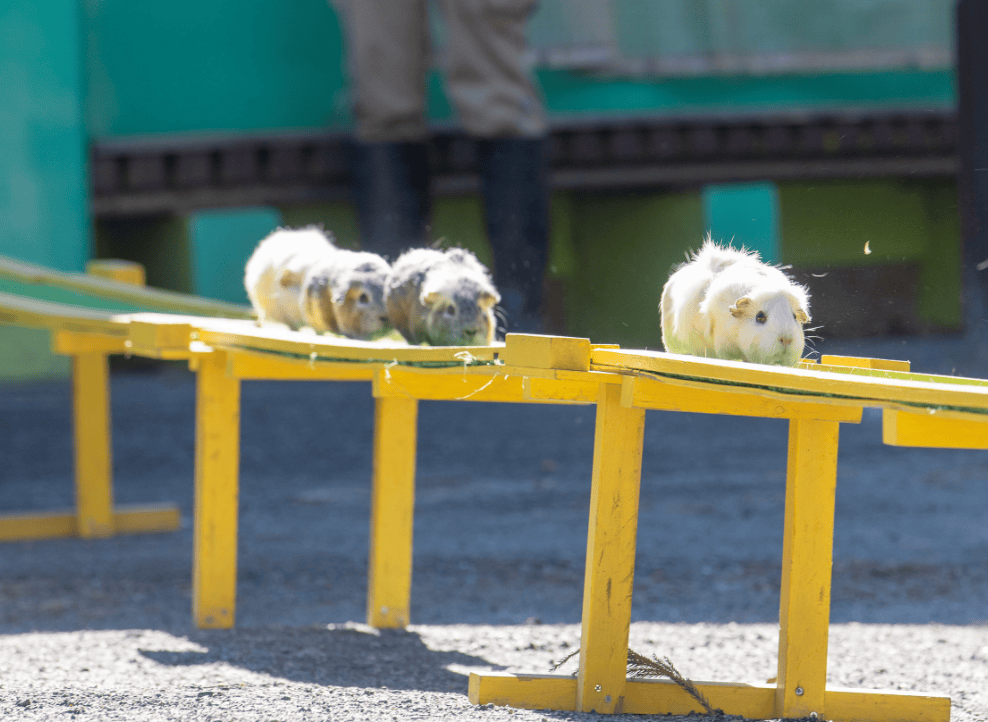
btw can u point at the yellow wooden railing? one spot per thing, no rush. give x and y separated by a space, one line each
816 398
119 281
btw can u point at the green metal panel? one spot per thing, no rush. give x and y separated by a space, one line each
744 215
222 241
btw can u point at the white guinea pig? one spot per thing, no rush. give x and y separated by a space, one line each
299 278
728 304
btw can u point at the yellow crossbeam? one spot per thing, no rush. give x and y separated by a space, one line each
126 519
753 701
258 365
940 431
668 394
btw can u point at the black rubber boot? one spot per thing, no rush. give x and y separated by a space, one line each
514 183
391 187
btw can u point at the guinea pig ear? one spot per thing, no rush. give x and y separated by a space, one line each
802 316
740 307
353 293
432 298
290 278
487 300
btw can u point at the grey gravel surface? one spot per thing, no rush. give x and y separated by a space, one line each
102 629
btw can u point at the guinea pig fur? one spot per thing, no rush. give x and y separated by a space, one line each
441 298
300 278
728 304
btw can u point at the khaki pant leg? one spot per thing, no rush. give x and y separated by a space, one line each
389 54
488 78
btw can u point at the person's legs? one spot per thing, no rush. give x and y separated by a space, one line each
389 55
488 80
514 185
487 70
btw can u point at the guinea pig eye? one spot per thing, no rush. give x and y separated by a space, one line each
364 298
760 317
451 310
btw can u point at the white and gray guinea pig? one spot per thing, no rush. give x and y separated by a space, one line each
300 278
728 304
443 298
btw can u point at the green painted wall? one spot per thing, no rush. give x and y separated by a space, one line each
222 241
827 224
746 215
195 65
625 246
43 179
218 65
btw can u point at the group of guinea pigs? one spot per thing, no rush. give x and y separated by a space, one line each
722 303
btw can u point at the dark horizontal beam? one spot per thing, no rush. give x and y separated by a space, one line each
167 175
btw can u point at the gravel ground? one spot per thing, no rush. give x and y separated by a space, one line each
102 630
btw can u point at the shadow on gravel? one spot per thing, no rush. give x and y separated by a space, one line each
340 657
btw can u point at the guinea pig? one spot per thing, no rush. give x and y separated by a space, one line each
441 298
300 278
729 304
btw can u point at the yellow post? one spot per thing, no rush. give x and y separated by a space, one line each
91 420
807 558
214 563
610 568
392 504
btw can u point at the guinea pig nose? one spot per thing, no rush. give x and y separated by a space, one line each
785 340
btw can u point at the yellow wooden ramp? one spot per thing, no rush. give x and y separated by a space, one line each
815 398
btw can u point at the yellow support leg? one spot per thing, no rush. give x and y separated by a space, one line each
214 564
807 558
392 505
91 421
610 568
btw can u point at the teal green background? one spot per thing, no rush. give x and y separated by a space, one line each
43 180
78 71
